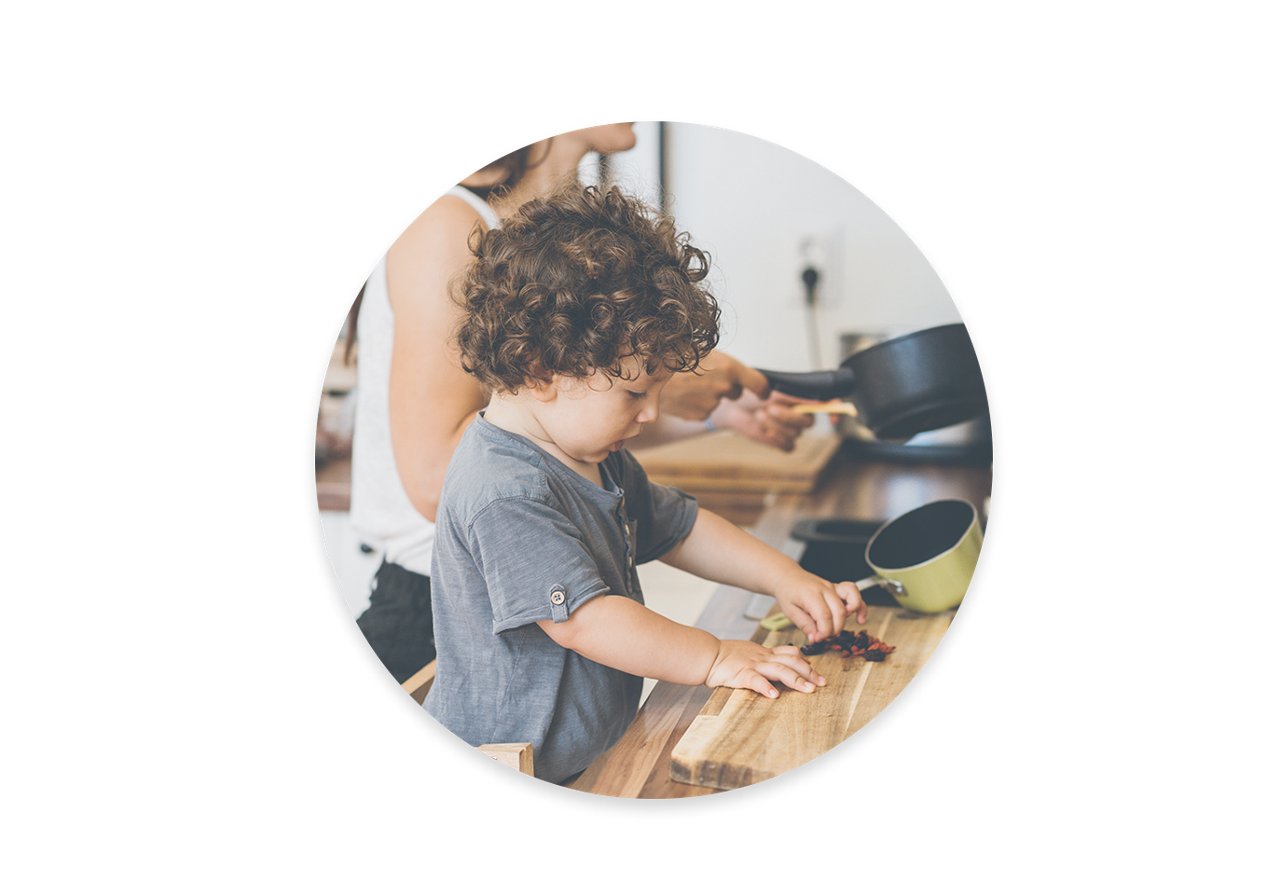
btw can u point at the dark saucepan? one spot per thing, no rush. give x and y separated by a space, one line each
915 383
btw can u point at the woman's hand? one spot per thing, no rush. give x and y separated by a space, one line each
694 395
770 421
818 608
746 664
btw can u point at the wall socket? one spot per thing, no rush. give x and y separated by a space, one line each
821 250
813 253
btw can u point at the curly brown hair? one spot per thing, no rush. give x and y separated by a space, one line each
576 282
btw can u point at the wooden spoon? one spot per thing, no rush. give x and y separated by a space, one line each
834 406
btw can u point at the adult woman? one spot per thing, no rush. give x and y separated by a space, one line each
415 401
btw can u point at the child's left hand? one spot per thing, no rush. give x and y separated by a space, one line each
818 607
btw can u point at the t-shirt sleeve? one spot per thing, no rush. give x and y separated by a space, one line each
534 561
664 515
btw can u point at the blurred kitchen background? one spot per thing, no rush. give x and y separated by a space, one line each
766 215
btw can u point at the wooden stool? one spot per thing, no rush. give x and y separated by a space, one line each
517 756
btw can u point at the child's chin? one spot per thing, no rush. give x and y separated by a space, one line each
600 454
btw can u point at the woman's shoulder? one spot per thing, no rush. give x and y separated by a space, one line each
450 218
431 251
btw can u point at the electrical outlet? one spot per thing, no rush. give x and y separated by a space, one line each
813 253
821 254
822 251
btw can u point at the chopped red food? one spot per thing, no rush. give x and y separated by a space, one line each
849 644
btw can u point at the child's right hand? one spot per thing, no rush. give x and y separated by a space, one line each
746 664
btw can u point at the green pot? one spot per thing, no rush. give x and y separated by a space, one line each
926 557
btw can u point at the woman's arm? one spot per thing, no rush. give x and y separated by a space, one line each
770 422
727 393
693 395
431 399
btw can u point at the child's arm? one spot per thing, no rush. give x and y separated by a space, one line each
620 633
716 549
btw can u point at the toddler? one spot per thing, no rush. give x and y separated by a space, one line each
576 313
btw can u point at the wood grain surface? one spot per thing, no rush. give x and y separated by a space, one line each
514 756
740 737
728 461
639 765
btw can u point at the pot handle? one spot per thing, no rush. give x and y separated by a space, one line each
893 586
820 385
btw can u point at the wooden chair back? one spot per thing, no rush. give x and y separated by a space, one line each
517 756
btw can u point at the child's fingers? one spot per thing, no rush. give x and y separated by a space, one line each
833 611
853 600
798 663
788 676
823 611
754 681
837 610
804 621
849 593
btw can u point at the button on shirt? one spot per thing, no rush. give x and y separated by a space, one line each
521 538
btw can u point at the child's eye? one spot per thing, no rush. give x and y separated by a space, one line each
637 395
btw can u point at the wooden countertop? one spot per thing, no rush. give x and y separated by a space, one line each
639 764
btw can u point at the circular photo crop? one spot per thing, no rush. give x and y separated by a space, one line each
653 460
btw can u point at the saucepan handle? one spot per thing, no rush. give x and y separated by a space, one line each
893 586
820 385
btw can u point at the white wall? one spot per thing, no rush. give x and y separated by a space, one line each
752 204
637 169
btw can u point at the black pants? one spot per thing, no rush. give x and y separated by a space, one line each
397 623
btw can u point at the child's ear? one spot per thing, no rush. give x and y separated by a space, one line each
543 390
536 382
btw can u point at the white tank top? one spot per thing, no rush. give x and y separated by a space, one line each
381 512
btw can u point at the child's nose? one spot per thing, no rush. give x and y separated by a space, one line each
649 412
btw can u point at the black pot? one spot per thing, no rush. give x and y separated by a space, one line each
915 383
836 550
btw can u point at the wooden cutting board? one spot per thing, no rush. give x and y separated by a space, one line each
728 461
740 737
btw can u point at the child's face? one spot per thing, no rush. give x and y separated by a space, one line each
588 419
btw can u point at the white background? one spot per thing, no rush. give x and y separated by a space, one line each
191 197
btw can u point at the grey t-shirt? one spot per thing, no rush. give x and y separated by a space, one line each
520 538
